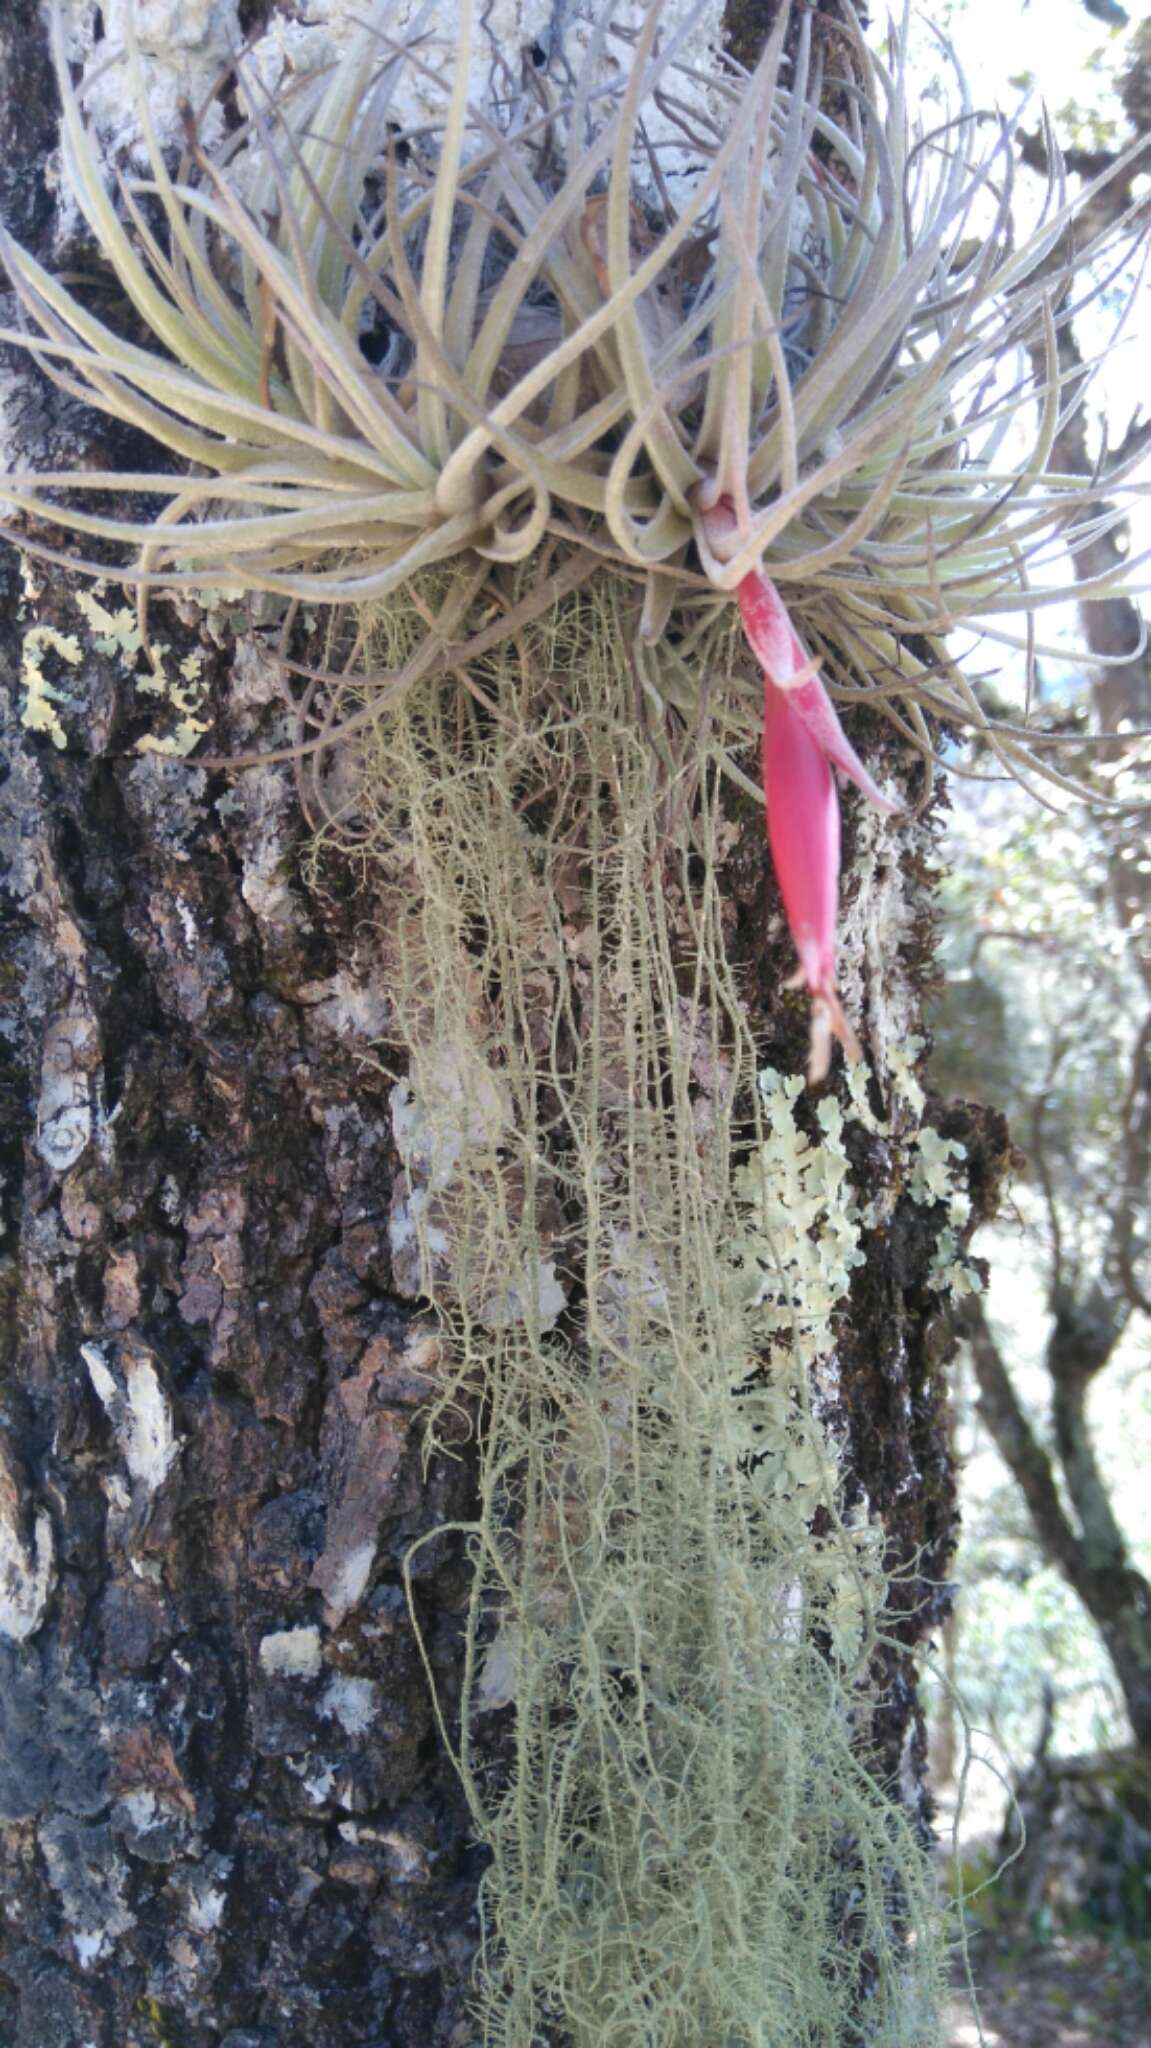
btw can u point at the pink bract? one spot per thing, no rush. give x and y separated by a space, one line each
802 739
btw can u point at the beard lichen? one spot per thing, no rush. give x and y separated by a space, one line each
638 1244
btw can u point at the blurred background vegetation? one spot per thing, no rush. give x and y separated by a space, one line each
1045 1014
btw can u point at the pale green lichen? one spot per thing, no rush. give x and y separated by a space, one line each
116 634
903 1058
937 1178
951 1271
186 698
803 1218
41 695
932 1177
119 635
933 1167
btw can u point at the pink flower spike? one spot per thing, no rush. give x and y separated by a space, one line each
770 633
803 832
802 741
780 654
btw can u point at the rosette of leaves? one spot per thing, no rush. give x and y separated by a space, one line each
584 345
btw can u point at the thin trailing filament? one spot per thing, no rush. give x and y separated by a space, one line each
634 1254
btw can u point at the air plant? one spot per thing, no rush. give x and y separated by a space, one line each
786 363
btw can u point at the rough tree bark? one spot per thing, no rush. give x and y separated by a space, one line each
227 1821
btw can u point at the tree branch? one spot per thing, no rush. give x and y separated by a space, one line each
1017 1443
1096 1566
1136 1169
1039 1158
1136 438
1084 163
1083 1339
1112 625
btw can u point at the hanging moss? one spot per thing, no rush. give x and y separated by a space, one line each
637 1244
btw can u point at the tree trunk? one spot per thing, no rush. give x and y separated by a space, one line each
1090 1550
229 1821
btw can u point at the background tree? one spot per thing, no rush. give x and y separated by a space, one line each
1046 1015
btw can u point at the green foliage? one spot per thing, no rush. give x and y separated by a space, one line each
1021 1625
1041 1015
1044 999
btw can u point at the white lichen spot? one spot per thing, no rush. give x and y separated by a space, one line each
350 1005
452 1119
89 1875
320 1788
102 1378
291 1653
460 1106
116 1493
150 1443
349 1584
353 1702
411 1237
63 1137
183 45
187 923
206 1909
140 1807
497 1680
139 1412
26 1569
256 678
64 1122
909 1782
538 1300
634 1284
258 810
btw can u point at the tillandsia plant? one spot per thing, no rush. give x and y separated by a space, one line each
658 350
787 361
